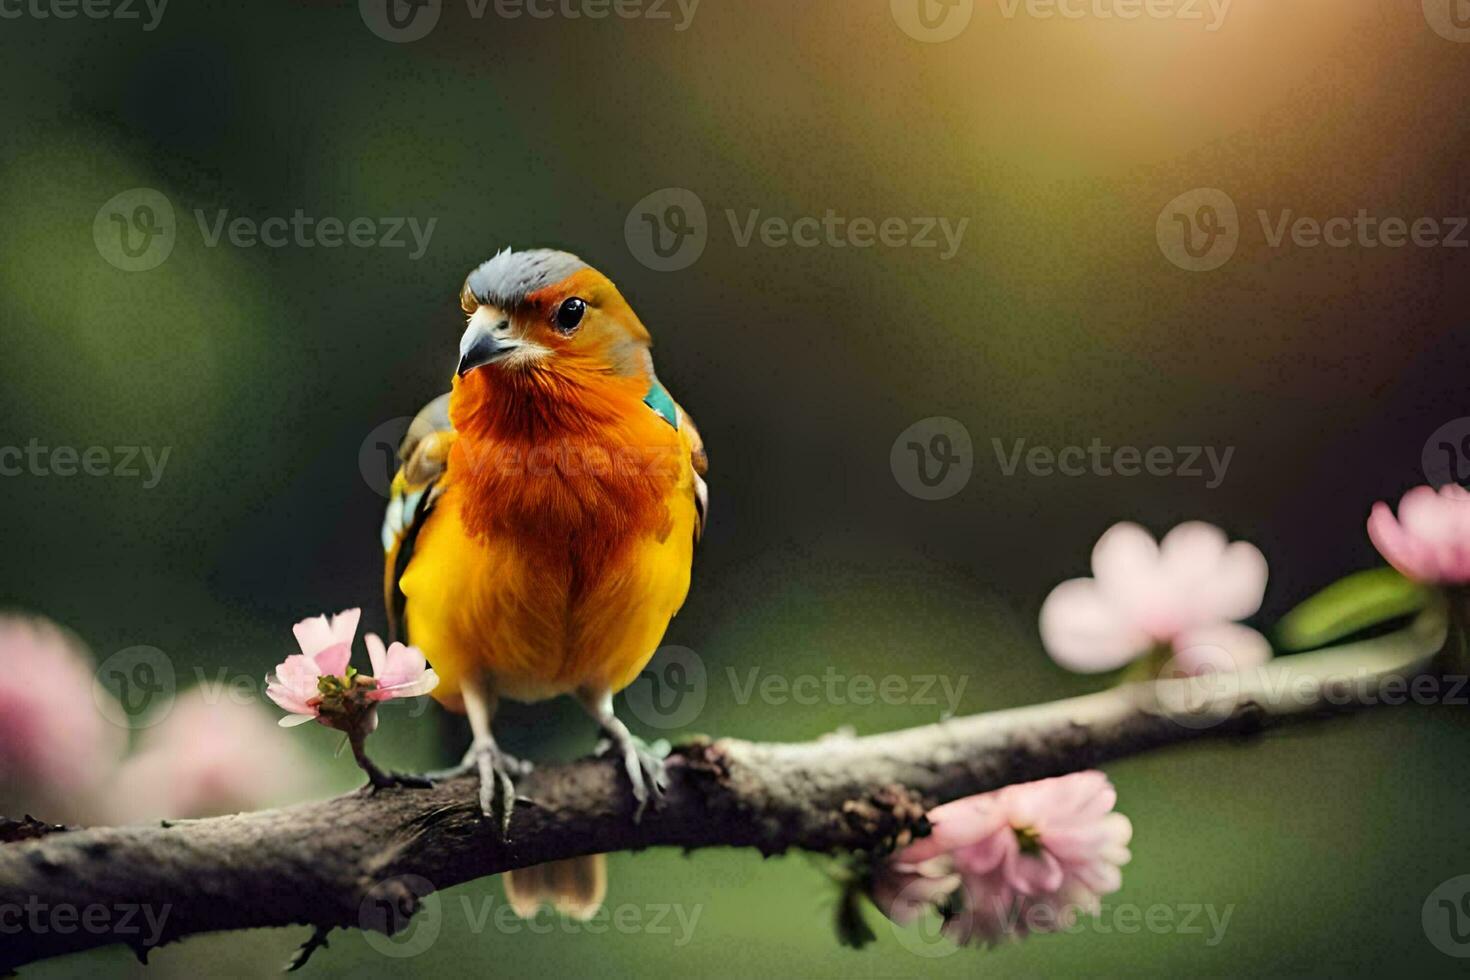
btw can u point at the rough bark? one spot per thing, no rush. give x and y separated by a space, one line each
363 860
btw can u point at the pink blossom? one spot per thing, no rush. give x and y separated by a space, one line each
210 756
401 671
326 648
57 745
1429 541
1180 596
317 633
319 677
1026 858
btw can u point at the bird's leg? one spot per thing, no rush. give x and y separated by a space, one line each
644 765
497 770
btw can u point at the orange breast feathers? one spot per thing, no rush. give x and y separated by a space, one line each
563 542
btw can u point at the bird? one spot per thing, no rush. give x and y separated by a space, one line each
541 527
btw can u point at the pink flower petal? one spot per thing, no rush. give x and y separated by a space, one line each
317 633
1126 565
1221 647
289 699
377 655
1081 844
424 683
1237 585
1411 556
1033 874
1084 631
955 824
1192 550
332 662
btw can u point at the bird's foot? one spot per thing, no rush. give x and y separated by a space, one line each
379 778
643 762
498 773
388 779
471 764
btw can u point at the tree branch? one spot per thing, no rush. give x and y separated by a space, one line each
363 860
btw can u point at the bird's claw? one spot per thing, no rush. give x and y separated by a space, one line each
379 778
405 780
498 772
471 764
644 764
386 779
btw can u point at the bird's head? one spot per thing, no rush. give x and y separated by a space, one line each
548 315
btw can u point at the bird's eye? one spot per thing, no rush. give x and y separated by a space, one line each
569 314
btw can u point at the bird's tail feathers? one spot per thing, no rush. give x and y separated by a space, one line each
574 887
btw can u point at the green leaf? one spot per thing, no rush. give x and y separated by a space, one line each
1355 603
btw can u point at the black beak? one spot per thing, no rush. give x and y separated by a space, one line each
479 347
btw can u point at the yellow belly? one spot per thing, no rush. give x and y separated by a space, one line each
520 620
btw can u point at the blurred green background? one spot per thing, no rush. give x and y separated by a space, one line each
266 370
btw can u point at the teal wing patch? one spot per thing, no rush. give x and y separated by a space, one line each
662 403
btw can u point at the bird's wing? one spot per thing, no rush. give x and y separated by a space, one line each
699 460
422 458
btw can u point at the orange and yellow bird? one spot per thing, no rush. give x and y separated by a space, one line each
542 524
